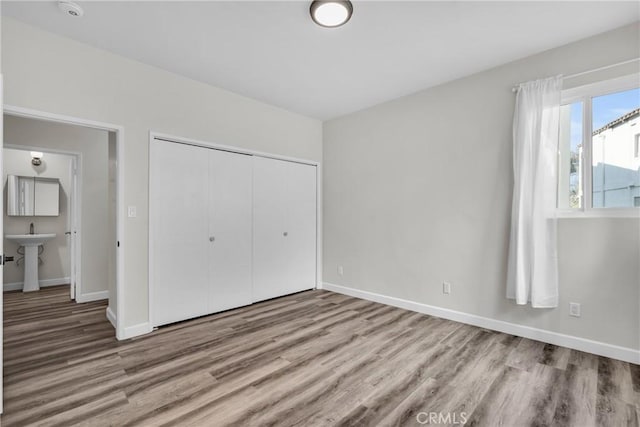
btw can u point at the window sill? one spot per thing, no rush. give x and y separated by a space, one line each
599 213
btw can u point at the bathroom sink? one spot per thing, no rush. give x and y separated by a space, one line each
30 239
31 242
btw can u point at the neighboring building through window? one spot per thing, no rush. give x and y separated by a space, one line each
600 128
616 171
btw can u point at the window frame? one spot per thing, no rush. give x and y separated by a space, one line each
585 94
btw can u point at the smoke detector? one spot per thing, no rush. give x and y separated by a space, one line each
70 8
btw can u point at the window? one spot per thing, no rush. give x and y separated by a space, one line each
599 162
570 154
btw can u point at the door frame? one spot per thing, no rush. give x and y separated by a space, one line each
75 224
74 207
120 217
1 248
153 135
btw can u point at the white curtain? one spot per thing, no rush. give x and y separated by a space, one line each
533 261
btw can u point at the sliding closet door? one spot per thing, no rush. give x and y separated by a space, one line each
179 183
230 225
227 229
300 220
284 227
269 256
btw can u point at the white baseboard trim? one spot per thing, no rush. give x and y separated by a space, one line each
93 296
596 347
136 330
17 286
111 316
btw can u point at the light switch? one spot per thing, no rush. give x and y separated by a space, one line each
132 213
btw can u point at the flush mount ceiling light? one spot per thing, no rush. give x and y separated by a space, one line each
331 13
70 8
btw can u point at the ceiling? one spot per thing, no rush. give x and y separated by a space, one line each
272 51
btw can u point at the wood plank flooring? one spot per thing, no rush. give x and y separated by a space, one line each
311 359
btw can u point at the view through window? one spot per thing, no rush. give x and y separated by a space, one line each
613 140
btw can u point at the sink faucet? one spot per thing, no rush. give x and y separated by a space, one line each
31 229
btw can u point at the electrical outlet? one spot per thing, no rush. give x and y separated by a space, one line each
574 309
446 287
340 270
132 212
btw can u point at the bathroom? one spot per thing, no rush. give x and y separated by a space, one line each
75 228
51 217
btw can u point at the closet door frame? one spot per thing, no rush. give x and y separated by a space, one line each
155 136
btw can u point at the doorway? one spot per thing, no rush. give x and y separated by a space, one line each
113 166
43 152
60 264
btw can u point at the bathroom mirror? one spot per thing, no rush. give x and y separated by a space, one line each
32 196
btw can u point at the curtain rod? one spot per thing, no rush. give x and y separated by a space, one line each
582 73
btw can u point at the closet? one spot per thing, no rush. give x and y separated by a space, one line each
284 227
226 229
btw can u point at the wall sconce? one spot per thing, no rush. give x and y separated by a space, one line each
36 158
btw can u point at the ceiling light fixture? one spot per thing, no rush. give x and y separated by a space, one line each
331 13
70 8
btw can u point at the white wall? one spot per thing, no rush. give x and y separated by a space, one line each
418 191
92 144
56 261
47 72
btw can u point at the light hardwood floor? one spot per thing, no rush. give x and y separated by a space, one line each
314 358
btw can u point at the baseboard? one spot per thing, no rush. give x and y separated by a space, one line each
17 286
93 296
111 317
596 347
136 330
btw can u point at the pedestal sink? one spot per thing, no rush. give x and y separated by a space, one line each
30 243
